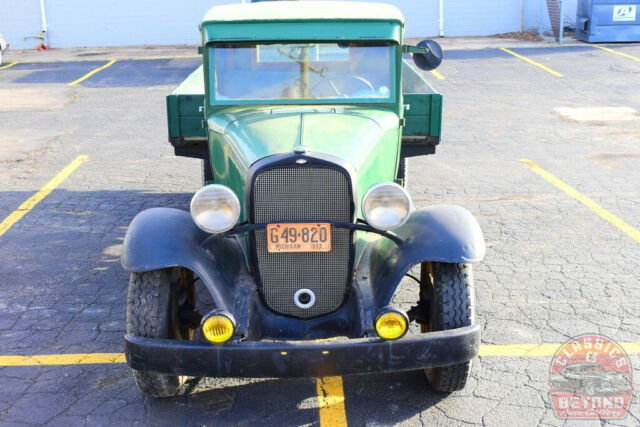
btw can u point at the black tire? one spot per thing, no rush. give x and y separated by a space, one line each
403 168
153 311
207 173
450 292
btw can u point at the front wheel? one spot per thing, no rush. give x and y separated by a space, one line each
450 292
207 173
155 303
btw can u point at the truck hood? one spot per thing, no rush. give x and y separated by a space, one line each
357 135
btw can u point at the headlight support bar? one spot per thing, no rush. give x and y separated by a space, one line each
245 227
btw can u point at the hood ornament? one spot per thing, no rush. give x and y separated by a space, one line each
300 149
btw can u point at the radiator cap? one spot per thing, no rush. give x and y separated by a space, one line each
300 149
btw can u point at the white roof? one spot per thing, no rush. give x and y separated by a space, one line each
294 10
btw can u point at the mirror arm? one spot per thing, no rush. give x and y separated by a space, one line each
414 49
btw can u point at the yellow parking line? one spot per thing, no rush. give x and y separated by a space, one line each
30 203
62 359
532 62
437 74
331 401
152 58
602 212
92 72
538 350
4 67
518 350
139 58
635 58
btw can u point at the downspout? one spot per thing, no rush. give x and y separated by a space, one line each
45 28
521 15
561 23
440 17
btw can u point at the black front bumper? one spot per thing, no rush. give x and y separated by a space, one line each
303 358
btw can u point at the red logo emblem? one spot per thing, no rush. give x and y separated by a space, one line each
590 378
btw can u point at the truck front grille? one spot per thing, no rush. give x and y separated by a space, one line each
303 193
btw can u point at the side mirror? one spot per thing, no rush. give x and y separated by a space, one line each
428 60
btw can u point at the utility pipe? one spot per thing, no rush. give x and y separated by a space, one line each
561 23
45 28
440 17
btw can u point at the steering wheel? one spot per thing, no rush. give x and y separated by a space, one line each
332 79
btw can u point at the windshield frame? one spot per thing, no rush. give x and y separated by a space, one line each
213 102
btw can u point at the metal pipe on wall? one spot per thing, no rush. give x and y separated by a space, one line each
45 28
561 23
441 17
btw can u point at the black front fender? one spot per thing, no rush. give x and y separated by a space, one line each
162 237
443 233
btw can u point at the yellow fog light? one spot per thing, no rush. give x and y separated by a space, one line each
391 324
218 327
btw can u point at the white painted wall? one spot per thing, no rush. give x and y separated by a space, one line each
480 18
77 23
20 19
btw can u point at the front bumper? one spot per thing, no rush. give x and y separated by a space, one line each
303 358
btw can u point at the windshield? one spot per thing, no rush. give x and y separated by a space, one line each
304 71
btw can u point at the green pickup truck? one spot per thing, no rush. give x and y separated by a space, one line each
303 114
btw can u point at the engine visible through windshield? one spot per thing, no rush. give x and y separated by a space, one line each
301 71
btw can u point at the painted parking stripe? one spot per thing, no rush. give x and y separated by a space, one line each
616 52
144 73
602 212
62 359
92 72
4 67
331 401
32 201
437 74
139 58
532 62
153 58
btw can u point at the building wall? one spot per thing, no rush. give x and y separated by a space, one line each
481 18
19 19
78 23
535 16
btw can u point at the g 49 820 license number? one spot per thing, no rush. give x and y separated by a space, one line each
299 237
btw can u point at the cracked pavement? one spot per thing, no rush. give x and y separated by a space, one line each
553 270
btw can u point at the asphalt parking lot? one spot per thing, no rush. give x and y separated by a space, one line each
555 189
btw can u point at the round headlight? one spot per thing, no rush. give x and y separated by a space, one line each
215 208
386 206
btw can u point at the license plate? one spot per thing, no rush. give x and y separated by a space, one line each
300 237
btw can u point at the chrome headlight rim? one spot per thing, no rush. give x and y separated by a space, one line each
374 187
233 199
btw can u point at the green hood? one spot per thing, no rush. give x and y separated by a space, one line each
367 138
357 135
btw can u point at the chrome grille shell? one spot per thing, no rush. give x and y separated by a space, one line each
314 191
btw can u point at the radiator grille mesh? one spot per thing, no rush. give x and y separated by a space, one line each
303 194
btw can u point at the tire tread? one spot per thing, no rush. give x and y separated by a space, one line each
147 316
453 303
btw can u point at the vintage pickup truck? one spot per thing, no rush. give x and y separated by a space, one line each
303 114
